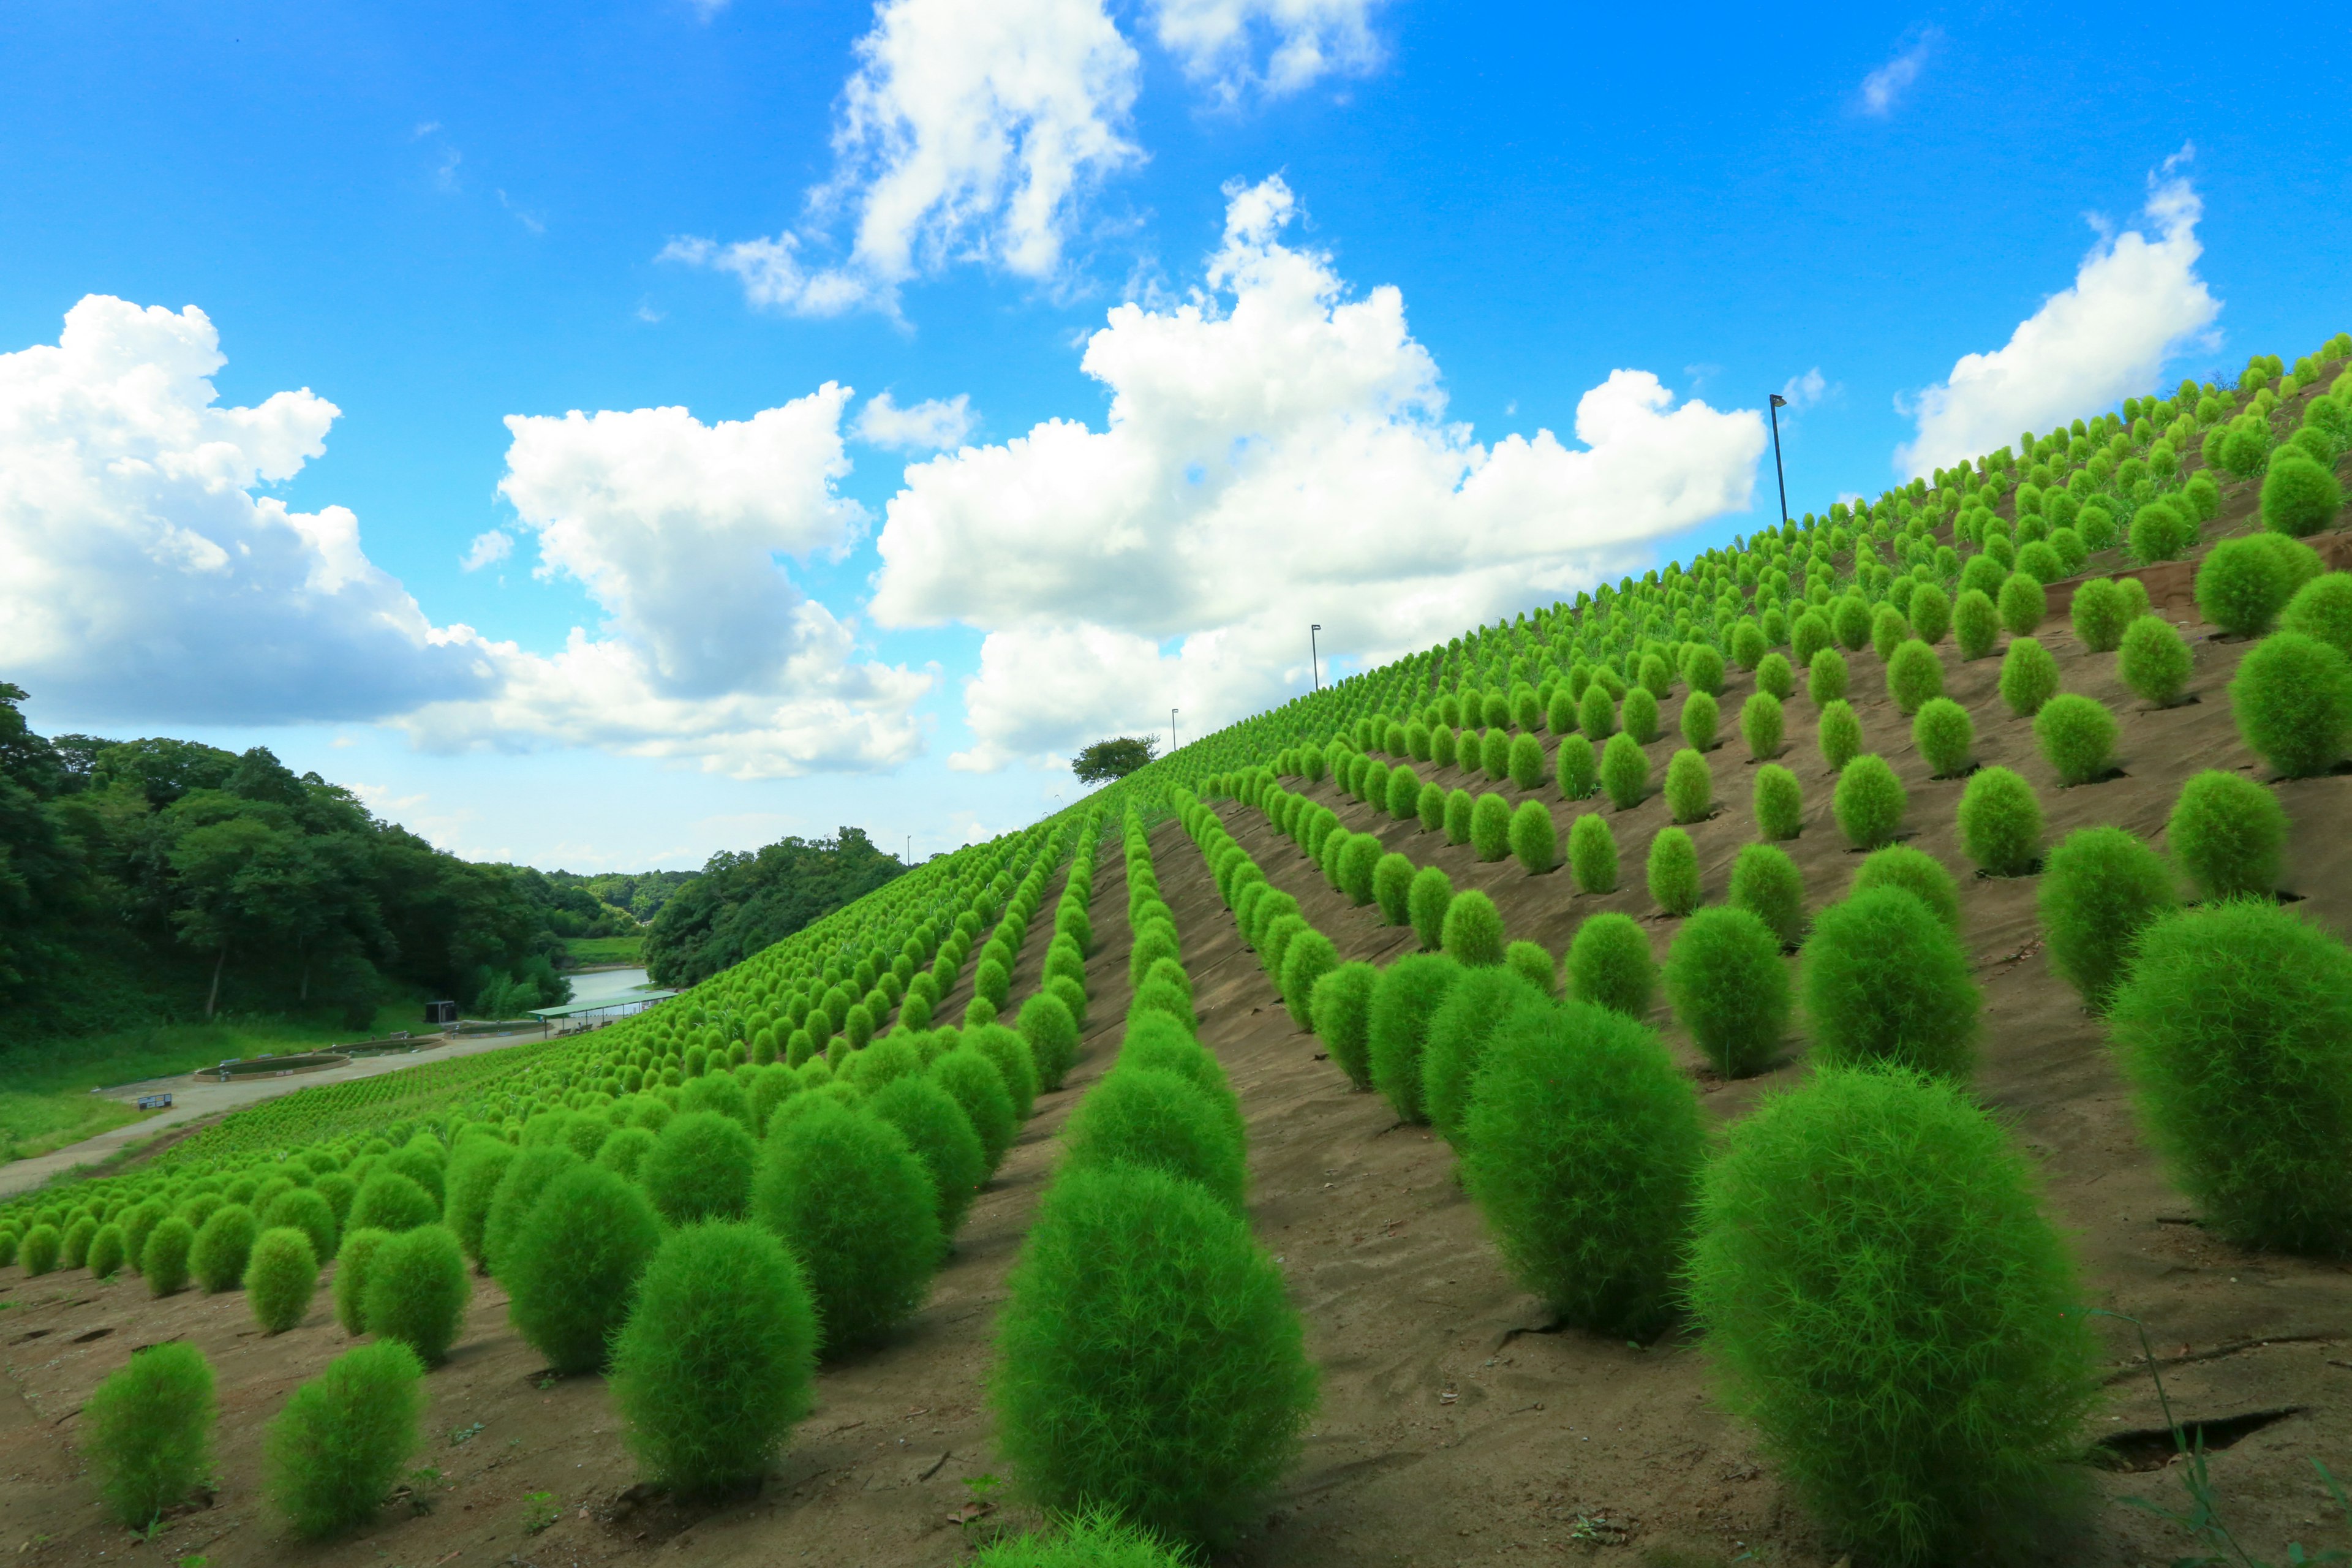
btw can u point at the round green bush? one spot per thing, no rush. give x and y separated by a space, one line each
700 1168
2236 1020
1826 678
2029 677
1393 888
1473 936
623 1153
1761 725
417 1289
2242 585
2099 615
343 1439
1409 993
77 1242
2077 737
1534 840
847 1195
1703 671
1459 807
2292 699
1574 768
1913 675
1625 772
1885 981
1430 808
1426 901
475 1167
1915 872
1596 713
2229 834
1767 884
1887 630
1529 960
1585 1148
163 1261
1592 853
973 1082
1526 764
1673 871
1944 737
2322 608
2300 495
716 1361
280 1277
1690 787
2161 532
218 1259
518 1189
1887 1304
1779 802
1148 1358
1637 715
1850 620
2099 888
1975 624
389 1200
573 1268
1807 637
39 1251
1310 956
1931 613
108 1251
1701 716
1359 858
1726 983
350 1278
309 1212
148 1431
1458 1036
1092 1538
1157 1119
1609 965
1051 1032
2000 823
1012 1060
1343 1008
2153 660
1868 802
1839 735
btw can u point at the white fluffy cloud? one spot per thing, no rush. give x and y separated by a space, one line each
1216 41
2136 300
931 425
1275 454
1882 88
488 550
966 133
143 570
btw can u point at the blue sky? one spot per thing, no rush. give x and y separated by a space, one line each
1408 244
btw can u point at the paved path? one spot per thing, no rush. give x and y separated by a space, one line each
192 1098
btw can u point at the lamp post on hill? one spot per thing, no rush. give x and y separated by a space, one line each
1171 730
1778 403
1315 656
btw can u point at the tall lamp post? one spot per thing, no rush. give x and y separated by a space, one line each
1778 403
1315 656
1171 729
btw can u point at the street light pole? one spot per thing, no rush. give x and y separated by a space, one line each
1315 656
1779 403
1171 729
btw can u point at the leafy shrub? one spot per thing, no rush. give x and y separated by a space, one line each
417 1289
1609 965
1690 787
2154 661
352 1263
2292 699
1826 678
1342 1005
336 1448
1585 1146
1534 841
1850 620
40 1249
148 1430
1596 713
1149 1359
108 1252
2241 586
1767 884
1725 982
1625 772
1808 637
1976 624
2300 495
2099 615
2237 1025
2029 677
2077 737
1673 871
846 1194
221 1248
1051 1032
1592 853
1531 963
1409 993
526 1177
308 1211
2228 833
1888 629
1458 1036
716 1362
2161 532
1703 671
1761 725
1310 956
1473 936
1637 717
573 1268
2322 608
1093 1537
1839 735
2000 823
1913 675
281 1275
1393 888
389 1200
1574 769
1780 802
1701 715
1915 871
1885 981
1944 737
163 1261
1142 1116
1012 1060
1892 1310
1426 901
700 1168
1527 766
1869 801
2099 887
475 1167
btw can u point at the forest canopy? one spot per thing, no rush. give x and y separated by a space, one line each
742 903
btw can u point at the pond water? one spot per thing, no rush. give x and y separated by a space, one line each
607 985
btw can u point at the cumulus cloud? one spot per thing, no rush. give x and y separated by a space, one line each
1884 87
930 425
1275 453
966 133
488 550
2136 301
1217 42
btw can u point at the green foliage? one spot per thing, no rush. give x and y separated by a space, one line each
526 1176
2292 699
1574 768
1343 1008
742 904
1410 992
108 1252
1050 1031
2077 737
1869 801
1158 1120
2099 887
340 1445
1637 718
1596 713
1592 853
1838 735
700 1168
1767 884
1458 1033
1931 613
1673 871
1761 725
1093 1537
846 1194
1885 981
148 1431
1490 827
716 1362
1826 678
1889 1307
2300 495
1473 934
1526 766
2100 614
222 1246
1534 841
1531 963
1359 858
1392 889
2153 660
1975 624
1913 675
1584 1150
2236 1020
2242 585
2029 677
1012 1060
1149 1359
1309 958
1690 787
2000 823
1944 737
1701 715
1917 873
350 1278
2322 608
417 1289
1779 802
1426 901
280 1278
389 1200
974 1083
39 1251
2161 532
475 1167
1727 984
163 1261
2228 833
573 1268
1703 671
1625 772
1609 965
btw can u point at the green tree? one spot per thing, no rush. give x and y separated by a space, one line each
1114 758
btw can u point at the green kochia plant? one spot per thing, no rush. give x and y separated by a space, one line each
1726 981
1761 725
2099 887
2077 736
1945 736
1869 802
2000 823
1472 935
1913 675
1673 871
2293 700
1426 901
1592 853
1889 1307
1609 965
699 1167
1917 873
2236 1020
843 1191
1535 841
1780 802
1885 981
2229 834
2029 677
573 1267
417 1288
1342 1008
1410 991
148 1430
1690 787
281 1275
1458 1034
1767 884
336 1448
1142 1116
1625 772
2153 660
1839 734
1150 1360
